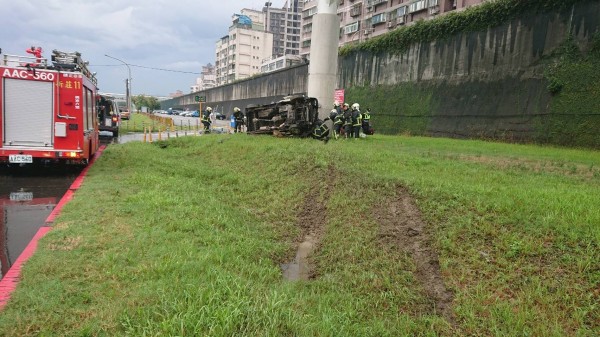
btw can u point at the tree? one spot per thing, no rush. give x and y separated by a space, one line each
148 101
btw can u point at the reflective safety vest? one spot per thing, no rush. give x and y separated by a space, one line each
339 119
321 131
239 116
366 116
205 117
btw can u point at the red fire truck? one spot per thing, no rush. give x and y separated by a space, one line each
47 110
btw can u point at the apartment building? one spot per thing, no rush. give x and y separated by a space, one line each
239 53
284 23
363 19
207 79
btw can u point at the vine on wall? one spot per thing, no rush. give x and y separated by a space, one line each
574 81
473 19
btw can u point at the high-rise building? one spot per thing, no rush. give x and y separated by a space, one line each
207 79
284 23
239 53
361 20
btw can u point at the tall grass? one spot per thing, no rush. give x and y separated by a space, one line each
186 237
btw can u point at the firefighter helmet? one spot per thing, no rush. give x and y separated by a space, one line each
336 104
236 109
355 106
346 105
209 109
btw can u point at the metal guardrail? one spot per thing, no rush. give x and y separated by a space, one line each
23 61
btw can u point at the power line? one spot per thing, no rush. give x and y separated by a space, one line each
152 68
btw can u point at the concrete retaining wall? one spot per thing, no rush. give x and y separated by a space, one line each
257 90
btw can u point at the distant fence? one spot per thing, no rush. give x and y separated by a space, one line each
161 127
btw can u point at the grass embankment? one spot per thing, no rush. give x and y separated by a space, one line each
186 238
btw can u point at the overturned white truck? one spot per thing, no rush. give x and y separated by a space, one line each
292 116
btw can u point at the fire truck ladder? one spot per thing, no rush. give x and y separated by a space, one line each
71 61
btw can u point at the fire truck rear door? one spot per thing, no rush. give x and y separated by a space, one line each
28 113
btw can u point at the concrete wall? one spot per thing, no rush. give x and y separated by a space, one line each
258 90
512 50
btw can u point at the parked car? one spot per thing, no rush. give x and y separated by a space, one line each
195 113
221 116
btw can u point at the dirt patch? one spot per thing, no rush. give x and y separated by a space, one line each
537 166
311 220
401 227
66 244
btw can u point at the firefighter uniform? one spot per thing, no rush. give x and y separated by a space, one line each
322 129
338 122
239 119
356 123
206 119
366 122
347 121
336 117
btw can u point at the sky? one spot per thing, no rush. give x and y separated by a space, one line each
150 35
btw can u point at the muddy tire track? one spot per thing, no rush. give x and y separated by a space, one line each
312 218
402 227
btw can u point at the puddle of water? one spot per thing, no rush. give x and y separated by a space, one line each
300 268
27 197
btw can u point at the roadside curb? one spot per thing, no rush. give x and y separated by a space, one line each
10 281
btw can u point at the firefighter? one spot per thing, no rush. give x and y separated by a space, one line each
239 119
347 120
37 52
338 123
356 120
206 119
213 118
366 122
322 128
336 109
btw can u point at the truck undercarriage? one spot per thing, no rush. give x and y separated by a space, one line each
291 116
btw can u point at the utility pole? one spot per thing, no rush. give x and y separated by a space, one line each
127 83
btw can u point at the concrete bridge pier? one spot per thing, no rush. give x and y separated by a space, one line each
322 70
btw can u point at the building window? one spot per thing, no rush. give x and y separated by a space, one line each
379 18
417 6
310 12
401 11
351 28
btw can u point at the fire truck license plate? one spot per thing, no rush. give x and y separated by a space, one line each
20 158
21 196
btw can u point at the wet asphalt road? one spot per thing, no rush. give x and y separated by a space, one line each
27 197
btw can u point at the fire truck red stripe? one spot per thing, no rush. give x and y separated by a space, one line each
77 183
56 211
74 186
10 281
